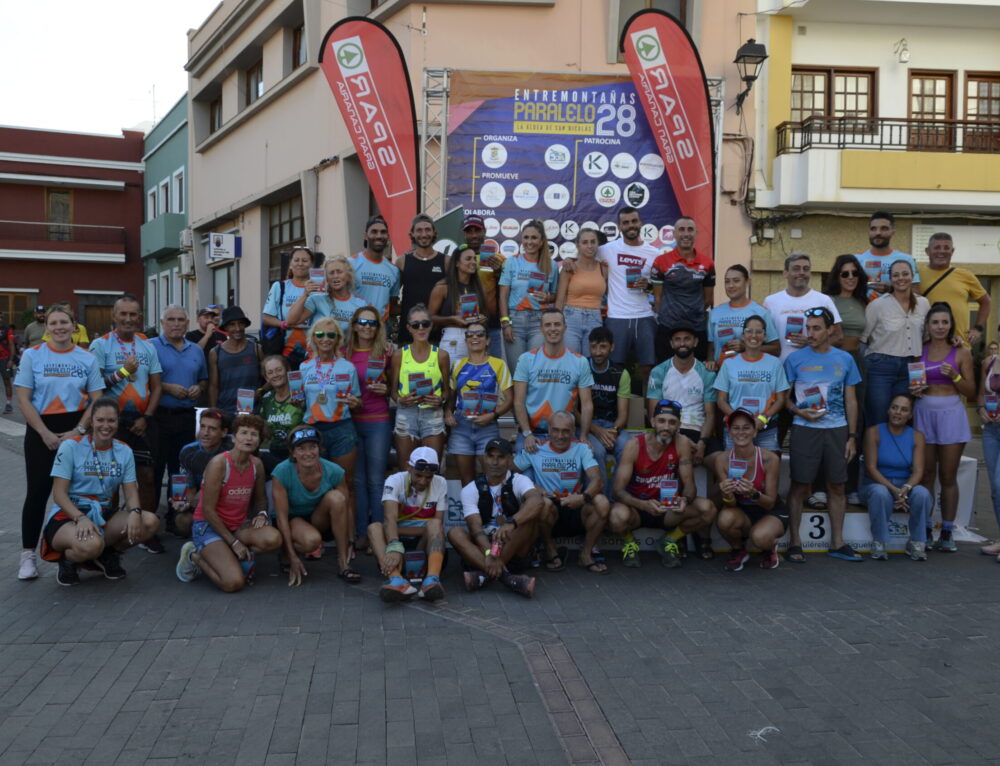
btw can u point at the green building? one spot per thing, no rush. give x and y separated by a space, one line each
168 269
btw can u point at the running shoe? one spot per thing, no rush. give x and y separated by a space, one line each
67 574
916 550
946 545
186 569
153 545
431 589
523 585
110 563
993 549
315 555
736 560
879 552
769 559
630 554
29 566
7 410
396 589
474 580
670 554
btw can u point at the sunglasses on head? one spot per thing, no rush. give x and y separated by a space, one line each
475 334
669 403
326 334
420 324
366 322
819 311
305 433
423 465
849 274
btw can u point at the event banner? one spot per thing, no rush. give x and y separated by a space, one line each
568 149
670 79
364 66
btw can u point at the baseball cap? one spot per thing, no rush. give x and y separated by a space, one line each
499 444
39 308
208 310
473 220
424 459
740 413
669 406
303 435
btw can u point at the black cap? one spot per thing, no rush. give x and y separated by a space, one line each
501 444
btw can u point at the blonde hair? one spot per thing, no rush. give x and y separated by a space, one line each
326 324
348 268
379 343
544 250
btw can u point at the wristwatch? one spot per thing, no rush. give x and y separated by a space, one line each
526 434
80 430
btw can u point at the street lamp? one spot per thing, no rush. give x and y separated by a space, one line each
749 59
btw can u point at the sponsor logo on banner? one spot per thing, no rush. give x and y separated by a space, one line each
557 157
567 250
623 165
667 235
670 81
610 229
525 196
510 228
607 194
636 194
569 230
508 248
595 164
494 155
649 232
551 228
492 226
556 198
364 67
492 194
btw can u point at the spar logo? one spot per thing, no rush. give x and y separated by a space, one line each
367 119
668 118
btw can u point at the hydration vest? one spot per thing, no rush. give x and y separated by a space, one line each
508 502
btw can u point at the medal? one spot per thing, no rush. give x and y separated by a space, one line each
322 397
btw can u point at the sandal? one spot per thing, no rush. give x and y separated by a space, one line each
845 552
550 563
596 567
816 503
349 576
794 555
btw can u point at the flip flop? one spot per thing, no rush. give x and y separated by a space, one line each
596 567
813 503
561 553
846 553
794 555
348 575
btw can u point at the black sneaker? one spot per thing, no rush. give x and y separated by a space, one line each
153 545
67 574
110 563
523 585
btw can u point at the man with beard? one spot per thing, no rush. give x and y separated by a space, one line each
686 293
420 269
376 280
501 512
490 269
131 370
642 499
686 380
565 470
954 286
879 257
630 315
788 307
213 428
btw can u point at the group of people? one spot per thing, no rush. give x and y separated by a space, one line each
293 445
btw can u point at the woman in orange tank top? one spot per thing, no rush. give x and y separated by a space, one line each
581 293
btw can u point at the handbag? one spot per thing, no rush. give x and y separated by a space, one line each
272 339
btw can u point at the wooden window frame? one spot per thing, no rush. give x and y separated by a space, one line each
831 73
942 140
59 231
299 46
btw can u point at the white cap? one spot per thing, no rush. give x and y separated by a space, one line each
425 454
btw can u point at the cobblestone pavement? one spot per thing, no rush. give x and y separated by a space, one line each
893 661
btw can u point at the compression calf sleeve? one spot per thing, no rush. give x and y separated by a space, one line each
435 561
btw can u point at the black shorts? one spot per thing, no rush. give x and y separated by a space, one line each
59 520
569 522
651 520
712 443
755 513
141 446
811 448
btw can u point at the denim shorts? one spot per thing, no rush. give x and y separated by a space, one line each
419 422
468 439
338 438
202 534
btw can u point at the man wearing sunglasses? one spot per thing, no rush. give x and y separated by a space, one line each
788 306
824 431
566 472
642 500
415 502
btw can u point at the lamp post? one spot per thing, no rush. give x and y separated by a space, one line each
749 59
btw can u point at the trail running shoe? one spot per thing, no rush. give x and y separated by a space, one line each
946 545
396 589
153 545
431 589
916 551
769 559
67 574
670 554
474 580
186 569
736 560
110 563
879 552
630 554
523 585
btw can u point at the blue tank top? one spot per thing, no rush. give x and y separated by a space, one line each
895 453
236 371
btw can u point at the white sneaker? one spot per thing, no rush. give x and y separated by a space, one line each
29 566
854 499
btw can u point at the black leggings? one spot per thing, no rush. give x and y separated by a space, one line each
38 460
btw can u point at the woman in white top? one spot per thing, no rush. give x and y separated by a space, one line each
894 332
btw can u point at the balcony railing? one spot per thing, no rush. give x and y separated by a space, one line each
42 231
889 135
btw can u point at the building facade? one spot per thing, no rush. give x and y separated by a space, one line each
167 278
271 160
871 105
70 212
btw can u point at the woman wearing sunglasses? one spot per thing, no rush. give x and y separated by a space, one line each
334 299
368 350
481 391
332 391
419 383
529 282
457 300
309 503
